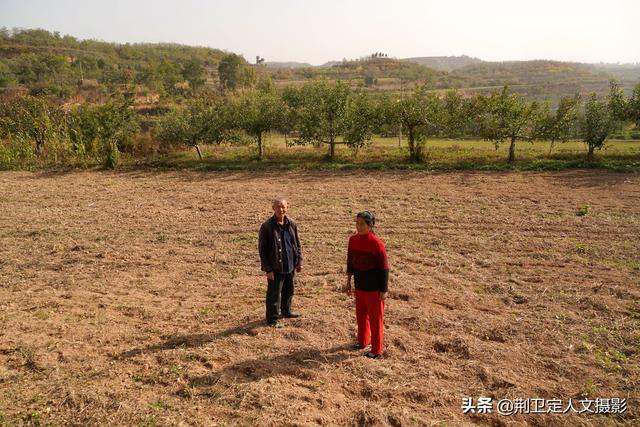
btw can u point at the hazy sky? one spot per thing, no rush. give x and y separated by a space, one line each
319 31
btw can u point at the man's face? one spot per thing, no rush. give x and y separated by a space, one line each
280 209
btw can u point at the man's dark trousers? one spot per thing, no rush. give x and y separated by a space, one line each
279 296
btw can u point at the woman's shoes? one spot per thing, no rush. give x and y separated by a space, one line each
370 355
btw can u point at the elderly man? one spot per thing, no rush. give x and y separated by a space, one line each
280 257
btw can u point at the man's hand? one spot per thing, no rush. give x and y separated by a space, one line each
298 269
383 296
271 276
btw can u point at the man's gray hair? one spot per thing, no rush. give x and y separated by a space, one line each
279 199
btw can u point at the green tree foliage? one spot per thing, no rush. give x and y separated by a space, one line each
6 76
597 123
321 113
561 125
421 115
265 84
103 130
370 80
506 117
361 119
633 106
169 74
5 35
618 105
292 99
205 119
30 119
32 68
457 115
48 62
258 112
235 73
194 73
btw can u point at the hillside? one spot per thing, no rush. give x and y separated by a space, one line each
539 79
444 63
622 72
371 69
290 64
41 62
546 80
46 62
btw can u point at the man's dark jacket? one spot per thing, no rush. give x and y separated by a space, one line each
271 246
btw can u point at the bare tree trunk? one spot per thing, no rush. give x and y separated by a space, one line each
39 146
260 147
551 147
512 150
199 152
590 155
399 136
412 145
332 147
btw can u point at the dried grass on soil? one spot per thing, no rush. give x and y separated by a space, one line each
136 298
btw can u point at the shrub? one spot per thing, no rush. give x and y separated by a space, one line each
16 154
112 157
583 210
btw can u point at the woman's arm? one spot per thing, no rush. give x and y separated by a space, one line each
347 286
384 272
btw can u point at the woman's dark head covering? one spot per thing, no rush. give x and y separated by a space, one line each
367 217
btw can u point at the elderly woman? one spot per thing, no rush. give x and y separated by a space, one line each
367 263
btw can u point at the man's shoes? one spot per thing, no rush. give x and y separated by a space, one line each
276 325
291 315
359 347
373 356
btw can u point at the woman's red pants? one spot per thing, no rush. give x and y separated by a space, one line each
370 317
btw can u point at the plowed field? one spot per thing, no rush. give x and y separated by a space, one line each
136 298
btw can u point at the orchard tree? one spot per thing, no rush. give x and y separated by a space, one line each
292 99
258 112
597 123
322 112
633 106
561 125
360 120
204 120
618 105
457 115
421 115
506 117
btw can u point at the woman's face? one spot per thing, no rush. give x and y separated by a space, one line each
361 226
